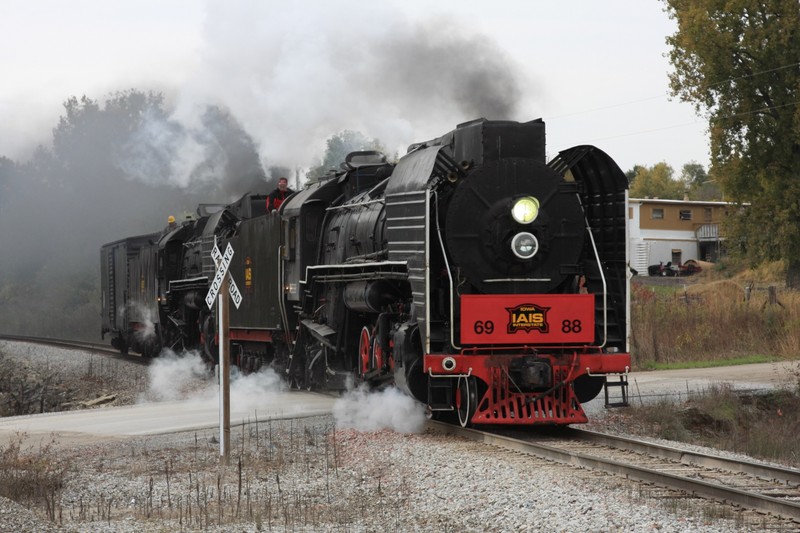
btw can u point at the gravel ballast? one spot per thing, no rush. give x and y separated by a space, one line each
307 474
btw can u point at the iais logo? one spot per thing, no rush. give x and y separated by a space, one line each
527 317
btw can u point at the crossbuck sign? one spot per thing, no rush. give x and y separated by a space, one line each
223 279
223 262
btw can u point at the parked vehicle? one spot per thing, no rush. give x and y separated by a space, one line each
669 270
662 269
690 267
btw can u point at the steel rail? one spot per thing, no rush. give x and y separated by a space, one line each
105 349
67 343
784 474
759 502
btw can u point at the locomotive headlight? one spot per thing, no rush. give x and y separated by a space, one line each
524 245
525 210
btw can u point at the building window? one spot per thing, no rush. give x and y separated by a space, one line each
685 214
708 214
658 213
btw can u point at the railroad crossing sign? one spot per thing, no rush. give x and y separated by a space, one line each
223 262
223 280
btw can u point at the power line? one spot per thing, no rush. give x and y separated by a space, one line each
643 132
650 98
686 124
755 74
753 112
612 106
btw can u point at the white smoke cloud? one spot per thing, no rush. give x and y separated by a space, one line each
253 390
186 376
163 150
145 317
295 75
372 411
177 377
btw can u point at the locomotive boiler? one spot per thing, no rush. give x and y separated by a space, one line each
487 283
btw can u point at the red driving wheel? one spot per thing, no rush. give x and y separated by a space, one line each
377 351
364 348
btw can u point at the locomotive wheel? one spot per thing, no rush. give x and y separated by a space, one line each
377 352
315 368
466 399
588 387
364 351
297 373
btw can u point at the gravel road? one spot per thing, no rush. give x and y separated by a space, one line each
335 473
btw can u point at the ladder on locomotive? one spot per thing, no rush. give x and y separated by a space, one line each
606 221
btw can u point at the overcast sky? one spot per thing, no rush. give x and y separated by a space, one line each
295 72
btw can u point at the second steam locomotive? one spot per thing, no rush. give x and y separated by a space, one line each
490 285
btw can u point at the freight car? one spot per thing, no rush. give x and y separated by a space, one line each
128 294
485 282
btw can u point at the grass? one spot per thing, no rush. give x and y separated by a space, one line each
763 425
715 322
712 323
677 365
33 474
283 475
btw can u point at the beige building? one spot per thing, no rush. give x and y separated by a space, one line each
662 231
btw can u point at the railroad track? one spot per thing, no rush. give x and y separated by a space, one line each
102 349
753 486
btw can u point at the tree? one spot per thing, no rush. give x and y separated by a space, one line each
110 172
88 139
738 62
656 182
693 174
631 174
698 184
337 148
7 169
227 141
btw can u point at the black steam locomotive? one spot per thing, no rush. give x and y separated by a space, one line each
488 284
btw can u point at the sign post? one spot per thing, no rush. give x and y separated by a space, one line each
223 281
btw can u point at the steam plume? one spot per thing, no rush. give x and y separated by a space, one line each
373 411
317 68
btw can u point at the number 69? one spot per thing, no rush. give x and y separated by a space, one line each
480 327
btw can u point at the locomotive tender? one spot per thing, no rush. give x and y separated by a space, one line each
486 283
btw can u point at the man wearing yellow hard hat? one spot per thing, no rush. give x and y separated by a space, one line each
171 224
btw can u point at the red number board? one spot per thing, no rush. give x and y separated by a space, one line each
527 318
